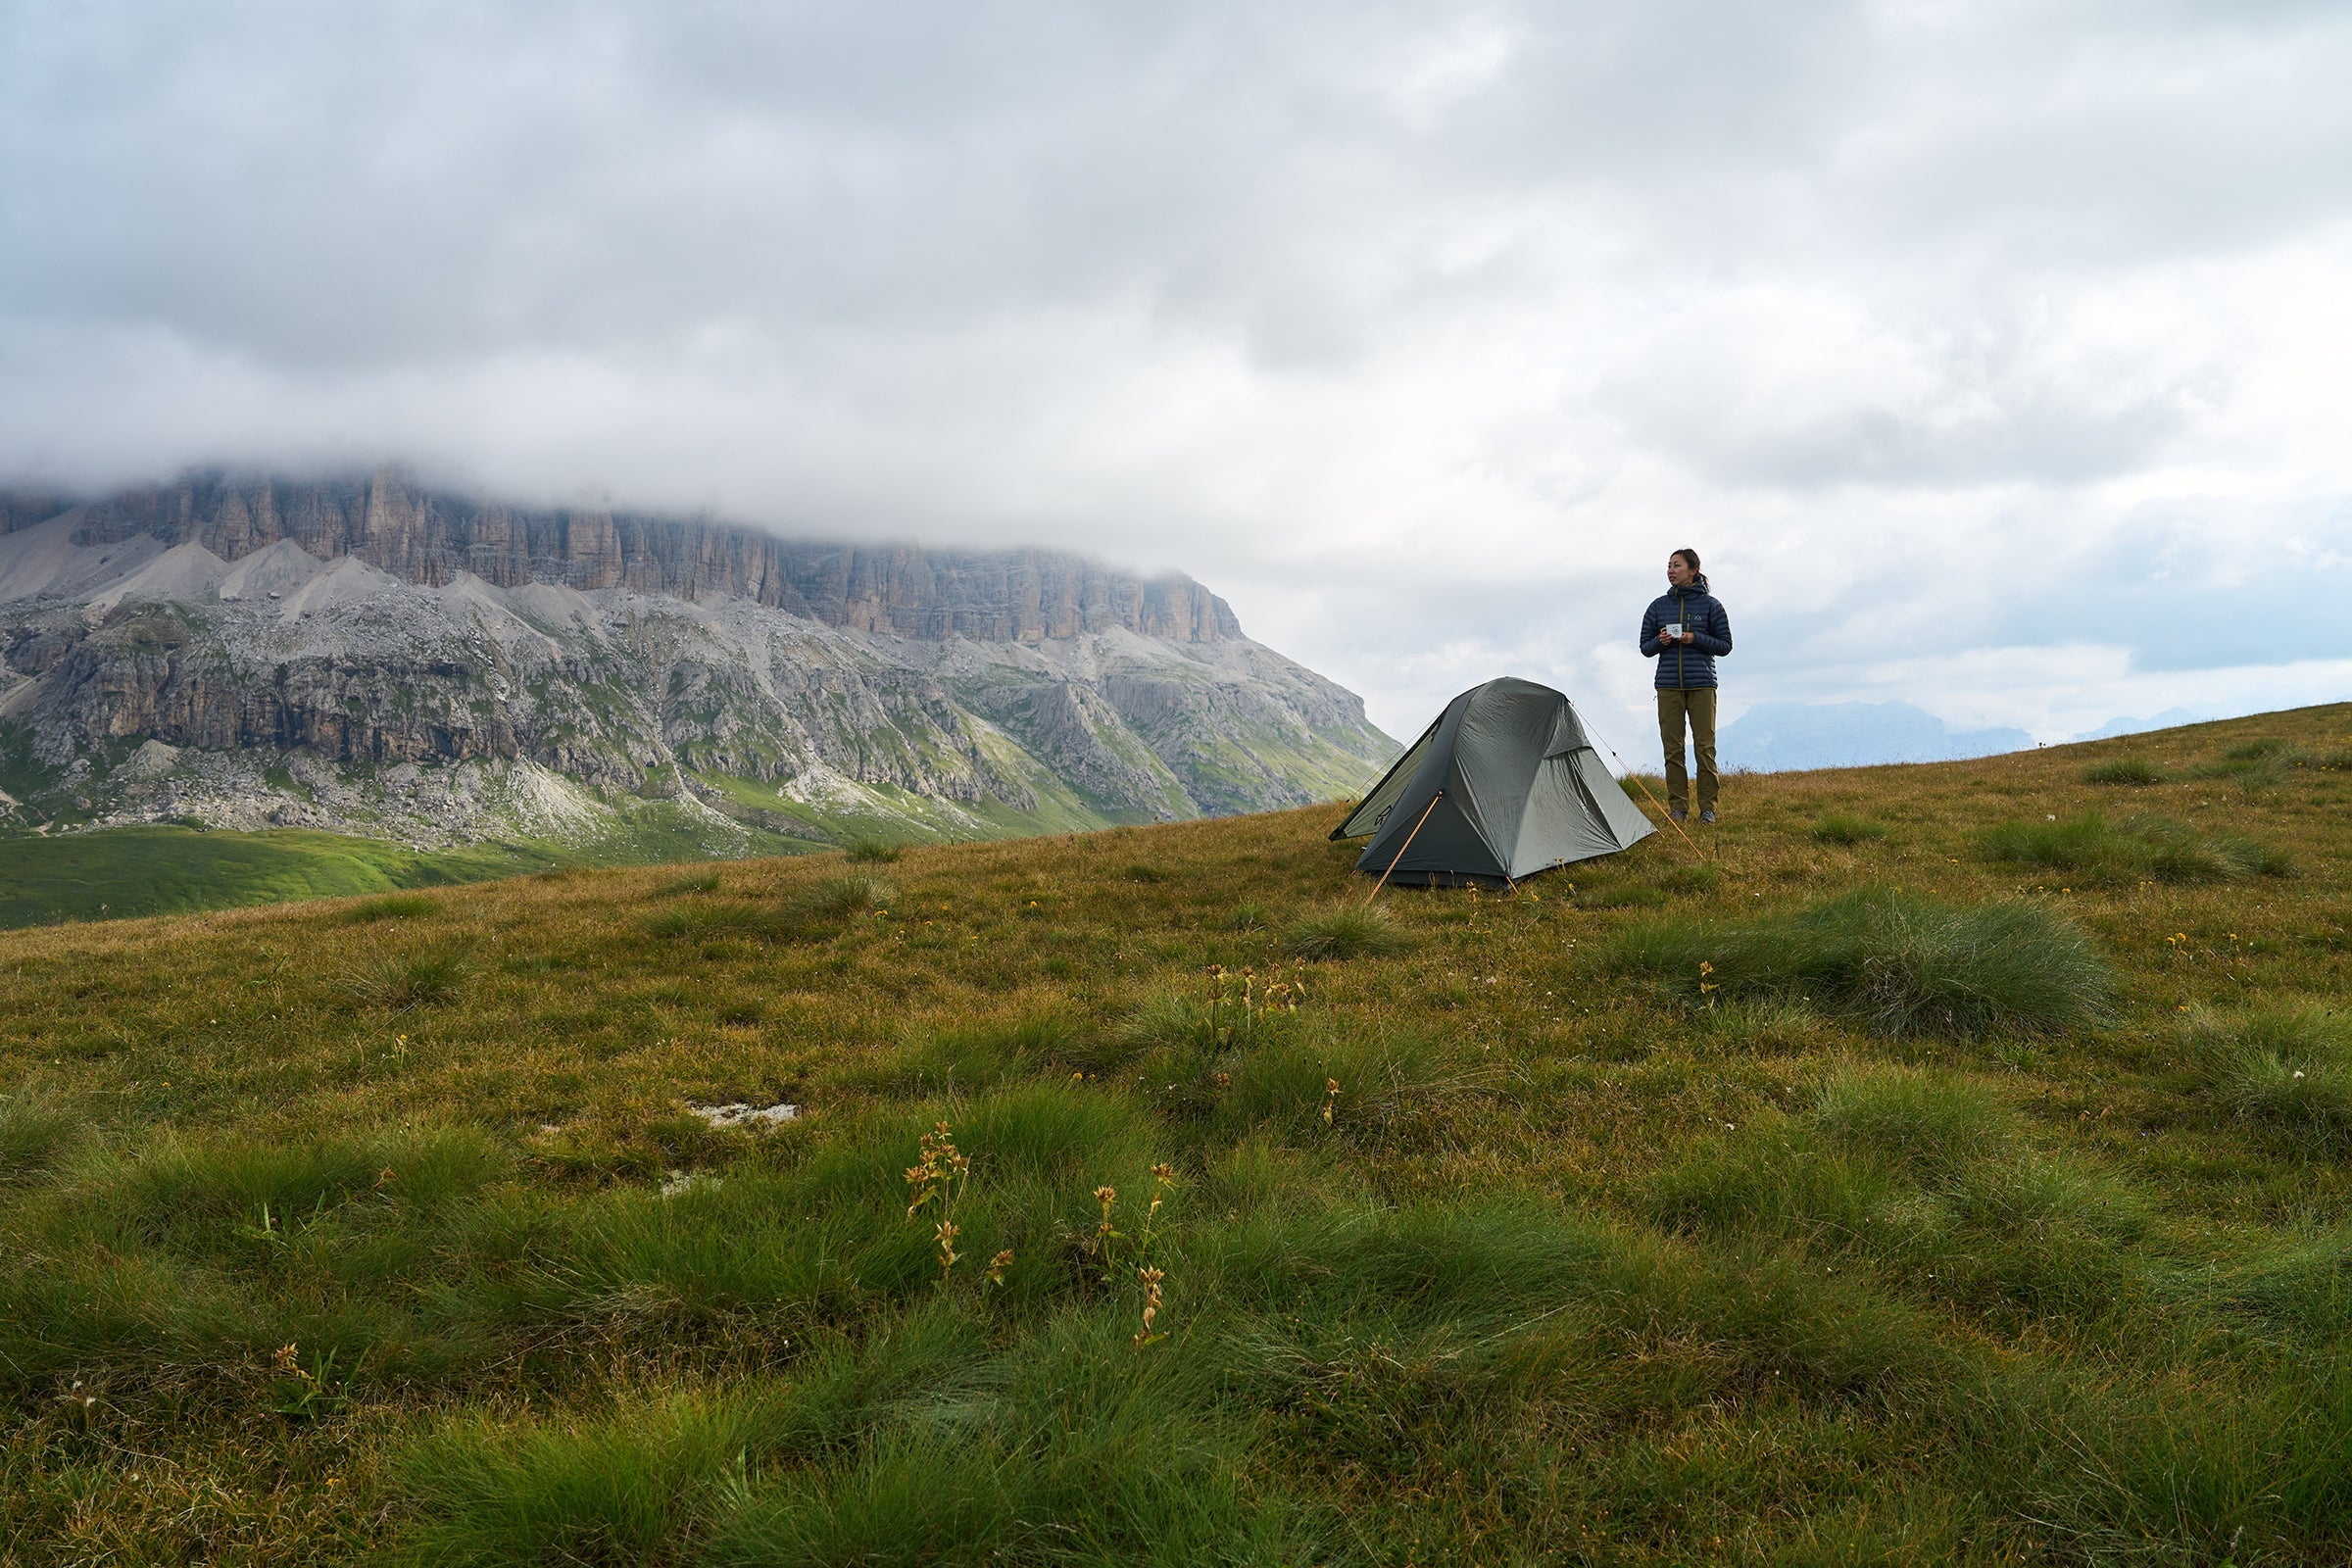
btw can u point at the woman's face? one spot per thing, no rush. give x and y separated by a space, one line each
1677 571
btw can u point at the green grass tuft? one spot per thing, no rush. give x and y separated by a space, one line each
1924 1123
697 882
1350 931
872 850
2127 771
405 981
845 896
704 921
1690 878
2093 851
566 1490
36 1133
2289 1066
1839 827
1895 962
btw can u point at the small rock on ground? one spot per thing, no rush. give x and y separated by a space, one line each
739 1114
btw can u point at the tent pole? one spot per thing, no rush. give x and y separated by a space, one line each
1401 848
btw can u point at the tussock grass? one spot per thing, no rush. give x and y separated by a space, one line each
1896 964
872 850
701 922
1350 931
1842 827
1923 1123
696 882
190 1186
977 1056
2257 763
1170 1020
2288 1066
403 982
1370 1084
2133 771
1691 878
2300 1288
37 1131
2089 847
844 896
1932 1180
1778 1024
580 1489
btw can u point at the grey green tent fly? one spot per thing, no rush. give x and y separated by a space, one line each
1504 783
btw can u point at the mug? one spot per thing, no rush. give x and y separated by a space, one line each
1674 629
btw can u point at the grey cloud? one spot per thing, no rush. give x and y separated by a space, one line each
1971 426
1162 283
360 185
2197 585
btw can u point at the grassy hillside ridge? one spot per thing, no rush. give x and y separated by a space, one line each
124 872
116 873
1902 1181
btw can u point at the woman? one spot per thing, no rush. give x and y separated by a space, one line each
1686 630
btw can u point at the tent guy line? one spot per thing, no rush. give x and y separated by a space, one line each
1627 772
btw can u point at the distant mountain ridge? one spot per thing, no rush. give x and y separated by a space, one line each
1776 737
2169 719
432 538
366 655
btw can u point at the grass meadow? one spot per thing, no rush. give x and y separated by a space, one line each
1945 1164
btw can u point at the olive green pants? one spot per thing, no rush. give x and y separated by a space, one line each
1696 706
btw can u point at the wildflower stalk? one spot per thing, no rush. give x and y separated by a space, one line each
1115 1251
1147 1335
937 1181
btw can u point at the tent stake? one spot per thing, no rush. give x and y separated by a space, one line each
1401 848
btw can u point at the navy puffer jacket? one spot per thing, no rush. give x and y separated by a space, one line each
1699 612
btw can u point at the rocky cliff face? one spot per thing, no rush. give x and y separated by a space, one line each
368 655
421 537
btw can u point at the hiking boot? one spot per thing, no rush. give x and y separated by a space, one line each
1678 814
1707 816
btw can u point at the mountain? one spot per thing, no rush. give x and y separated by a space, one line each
368 655
2169 719
1772 737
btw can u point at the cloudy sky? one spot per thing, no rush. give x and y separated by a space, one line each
1996 356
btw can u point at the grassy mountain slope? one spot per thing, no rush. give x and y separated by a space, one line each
140 870
1949 1166
116 873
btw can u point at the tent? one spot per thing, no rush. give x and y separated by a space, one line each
1502 785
